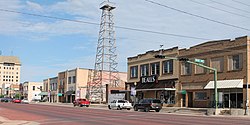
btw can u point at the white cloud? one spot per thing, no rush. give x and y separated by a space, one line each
34 6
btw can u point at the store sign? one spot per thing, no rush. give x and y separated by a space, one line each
149 79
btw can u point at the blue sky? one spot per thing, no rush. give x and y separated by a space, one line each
48 46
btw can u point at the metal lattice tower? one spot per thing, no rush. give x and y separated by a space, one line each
105 64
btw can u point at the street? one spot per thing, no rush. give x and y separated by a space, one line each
54 115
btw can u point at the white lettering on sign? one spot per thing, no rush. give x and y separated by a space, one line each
148 79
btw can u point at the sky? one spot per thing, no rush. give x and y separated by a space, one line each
47 46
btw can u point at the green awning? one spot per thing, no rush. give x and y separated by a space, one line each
43 93
182 92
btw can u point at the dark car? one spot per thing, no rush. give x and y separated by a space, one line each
148 104
6 99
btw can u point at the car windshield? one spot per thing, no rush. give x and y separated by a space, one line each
122 101
156 101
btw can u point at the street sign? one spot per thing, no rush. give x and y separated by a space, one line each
59 94
199 60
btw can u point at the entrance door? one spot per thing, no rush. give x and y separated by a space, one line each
183 100
226 100
190 99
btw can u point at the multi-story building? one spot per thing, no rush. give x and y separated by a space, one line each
231 58
72 84
49 92
32 90
151 77
9 72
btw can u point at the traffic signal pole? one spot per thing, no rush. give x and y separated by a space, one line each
201 65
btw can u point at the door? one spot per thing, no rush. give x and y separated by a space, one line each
190 99
226 100
183 100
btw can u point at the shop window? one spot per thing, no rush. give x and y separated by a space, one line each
144 70
235 62
200 96
134 72
168 67
186 68
218 63
155 68
169 97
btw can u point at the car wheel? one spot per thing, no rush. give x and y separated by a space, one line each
119 108
157 110
128 108
109 107
146 109
135 108
87 105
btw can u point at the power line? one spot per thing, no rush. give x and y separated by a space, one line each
92 23
241 3
219 9
230 6
195 15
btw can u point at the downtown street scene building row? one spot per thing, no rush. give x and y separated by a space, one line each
181 84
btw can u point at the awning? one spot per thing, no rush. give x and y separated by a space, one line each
43 93
154 89
225 84
182 92
70 93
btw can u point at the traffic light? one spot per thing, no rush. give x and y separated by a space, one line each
160 56
183 59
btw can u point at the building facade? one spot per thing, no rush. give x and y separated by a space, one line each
10 67
231 59
31 90
151 77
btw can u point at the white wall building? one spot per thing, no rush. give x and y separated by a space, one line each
31 90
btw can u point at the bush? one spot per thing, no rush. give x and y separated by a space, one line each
1 96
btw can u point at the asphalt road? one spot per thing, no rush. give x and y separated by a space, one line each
55 115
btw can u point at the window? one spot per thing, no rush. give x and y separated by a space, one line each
186 68
41 88
168 67
200 96
200 70
155 68
34 88
218 63
144 70
235 62
69 80
134 72
74 79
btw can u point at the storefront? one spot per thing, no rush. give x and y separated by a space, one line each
151 87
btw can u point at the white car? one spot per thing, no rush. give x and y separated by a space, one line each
120 104
25 101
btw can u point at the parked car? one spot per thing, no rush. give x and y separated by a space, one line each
148 104
25 101
16 100
7 99
120 104
81 102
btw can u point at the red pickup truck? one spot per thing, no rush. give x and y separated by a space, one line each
81 102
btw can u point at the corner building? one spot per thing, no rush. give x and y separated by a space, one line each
231 59
151 77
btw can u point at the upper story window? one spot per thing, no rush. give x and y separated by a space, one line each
34 88
69 80
186 68
155 68
74 79
234 62
218 63
144 70
200 70
134 72
168 67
